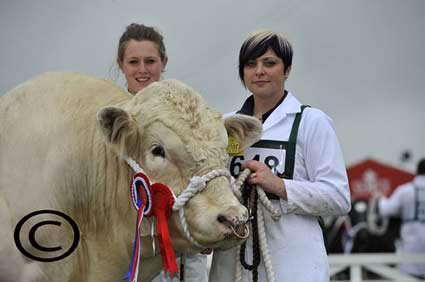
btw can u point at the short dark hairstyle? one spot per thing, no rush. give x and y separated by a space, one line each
421 167
258 43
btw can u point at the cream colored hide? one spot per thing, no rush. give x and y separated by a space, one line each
63 137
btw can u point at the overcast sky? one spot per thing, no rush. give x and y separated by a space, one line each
360 61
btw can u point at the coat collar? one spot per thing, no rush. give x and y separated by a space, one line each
289 106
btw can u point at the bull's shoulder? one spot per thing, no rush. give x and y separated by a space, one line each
54 89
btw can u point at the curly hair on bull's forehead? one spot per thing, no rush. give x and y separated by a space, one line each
193 112
179 106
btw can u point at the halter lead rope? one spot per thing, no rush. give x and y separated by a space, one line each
275 214
251 201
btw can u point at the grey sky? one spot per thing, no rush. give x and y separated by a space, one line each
360 61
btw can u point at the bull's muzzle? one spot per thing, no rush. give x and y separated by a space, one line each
238 228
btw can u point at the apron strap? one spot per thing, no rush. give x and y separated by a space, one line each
290 153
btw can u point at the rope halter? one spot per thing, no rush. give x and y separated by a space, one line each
197 184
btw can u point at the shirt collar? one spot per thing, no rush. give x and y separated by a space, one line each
248 107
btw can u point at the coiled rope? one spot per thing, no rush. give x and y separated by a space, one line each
275 214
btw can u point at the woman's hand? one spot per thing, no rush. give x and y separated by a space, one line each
262 175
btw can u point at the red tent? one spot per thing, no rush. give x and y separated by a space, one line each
371 174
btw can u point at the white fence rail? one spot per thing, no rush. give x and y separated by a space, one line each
384 265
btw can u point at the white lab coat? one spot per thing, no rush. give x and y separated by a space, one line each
319 187
195 270
412 234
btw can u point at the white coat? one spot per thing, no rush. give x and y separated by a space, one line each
195 270
319 187
412 234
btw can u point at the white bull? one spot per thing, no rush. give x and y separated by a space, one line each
64 138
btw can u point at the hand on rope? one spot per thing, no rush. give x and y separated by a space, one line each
246 175
263 176
259 176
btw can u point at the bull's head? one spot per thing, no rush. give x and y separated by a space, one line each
169 130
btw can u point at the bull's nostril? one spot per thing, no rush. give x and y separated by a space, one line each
221 218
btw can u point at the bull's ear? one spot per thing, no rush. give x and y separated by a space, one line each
245 129
118 128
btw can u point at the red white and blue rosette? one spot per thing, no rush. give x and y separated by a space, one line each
140 192
141 196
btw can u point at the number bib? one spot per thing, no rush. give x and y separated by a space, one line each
270 152
279 156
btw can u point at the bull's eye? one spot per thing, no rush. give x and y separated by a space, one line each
158 150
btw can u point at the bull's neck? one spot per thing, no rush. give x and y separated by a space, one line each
107 190
101 205
113 180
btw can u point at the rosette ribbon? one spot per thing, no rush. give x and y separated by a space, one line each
140 192
162 209
152 200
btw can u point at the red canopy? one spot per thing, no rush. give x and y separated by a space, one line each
371 174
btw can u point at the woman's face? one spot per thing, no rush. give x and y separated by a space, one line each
264 76
141 64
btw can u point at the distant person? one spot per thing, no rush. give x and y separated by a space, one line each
142 58
408 203
298 163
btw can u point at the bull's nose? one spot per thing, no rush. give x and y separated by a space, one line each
236 222
222 218
233 216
